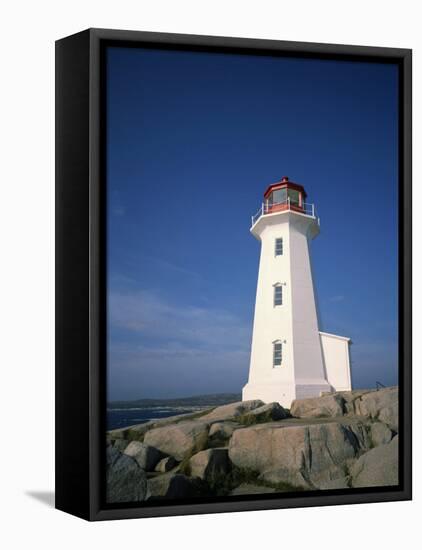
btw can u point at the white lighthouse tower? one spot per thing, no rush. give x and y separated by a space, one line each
290 357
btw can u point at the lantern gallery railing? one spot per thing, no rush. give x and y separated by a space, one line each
271 208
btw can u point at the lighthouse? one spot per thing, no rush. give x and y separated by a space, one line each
290 357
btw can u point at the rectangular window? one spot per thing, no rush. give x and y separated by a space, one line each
279 247
279 196
278 295
277 356
294 197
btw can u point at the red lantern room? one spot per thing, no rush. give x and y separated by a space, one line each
284 195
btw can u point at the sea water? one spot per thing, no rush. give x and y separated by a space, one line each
121 418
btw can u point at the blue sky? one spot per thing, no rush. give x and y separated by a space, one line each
193 140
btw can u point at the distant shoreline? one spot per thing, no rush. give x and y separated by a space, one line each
121 414
208 400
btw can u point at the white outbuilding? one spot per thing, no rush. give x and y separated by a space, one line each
290 357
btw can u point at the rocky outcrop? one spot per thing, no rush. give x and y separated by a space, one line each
338 483
265 413
221 431
318 407
146 456
126 481
377 467
380 433
138 431
379 405
173 485
119 444
303 455
210 464
180 440
333 442
166 464
285 479
233 410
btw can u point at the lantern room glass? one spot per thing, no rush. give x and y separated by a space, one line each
280 196
294 196
277 197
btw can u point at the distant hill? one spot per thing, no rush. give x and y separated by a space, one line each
211 400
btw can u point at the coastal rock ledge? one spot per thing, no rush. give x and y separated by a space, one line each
337 441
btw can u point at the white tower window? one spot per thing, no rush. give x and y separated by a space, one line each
277 353
278 295
279 246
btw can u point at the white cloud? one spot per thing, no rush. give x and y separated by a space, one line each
118 211
337 298
174 350
170 266
187 326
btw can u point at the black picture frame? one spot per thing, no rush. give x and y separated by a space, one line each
81 284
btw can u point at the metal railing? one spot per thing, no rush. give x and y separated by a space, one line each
305 208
